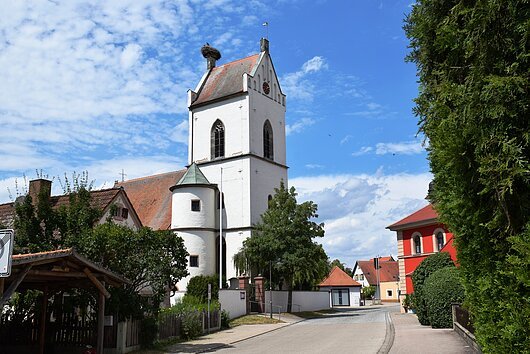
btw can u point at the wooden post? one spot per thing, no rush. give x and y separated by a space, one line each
101 322
42 325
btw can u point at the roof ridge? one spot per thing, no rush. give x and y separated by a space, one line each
151 176
235 61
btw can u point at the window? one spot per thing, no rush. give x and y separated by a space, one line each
417 244
268 148
389 293
356 277
439 240
269 199
218 140
361 276
125 213
194 261
195 205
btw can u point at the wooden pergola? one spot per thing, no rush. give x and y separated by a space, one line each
59 270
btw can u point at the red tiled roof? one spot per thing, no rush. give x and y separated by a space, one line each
426 213
386 259
151 198
99 199
388 271
338 277
225 80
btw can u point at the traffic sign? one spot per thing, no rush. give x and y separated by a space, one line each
6 251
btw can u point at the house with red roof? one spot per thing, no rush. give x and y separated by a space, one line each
419 235
343 290
387 274
113 203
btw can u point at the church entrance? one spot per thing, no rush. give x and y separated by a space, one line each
223 259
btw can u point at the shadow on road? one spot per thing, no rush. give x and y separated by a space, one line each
196 348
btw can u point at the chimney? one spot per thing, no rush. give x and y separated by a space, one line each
38 186
211 54
264 45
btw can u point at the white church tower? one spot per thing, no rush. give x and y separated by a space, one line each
237 145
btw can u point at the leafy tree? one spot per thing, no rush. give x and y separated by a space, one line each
284 238
473 67
368 292
342 266
427 267
441 289
198 287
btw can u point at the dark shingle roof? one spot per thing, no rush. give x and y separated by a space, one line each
193 175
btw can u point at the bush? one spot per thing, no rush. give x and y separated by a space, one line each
198 287
368 292
428 266
442 288
191 324
225 319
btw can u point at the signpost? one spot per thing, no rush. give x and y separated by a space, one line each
209 299
6 250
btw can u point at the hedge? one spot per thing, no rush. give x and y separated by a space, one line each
441 289
198 287
428 266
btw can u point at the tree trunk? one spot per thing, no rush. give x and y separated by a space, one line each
290 299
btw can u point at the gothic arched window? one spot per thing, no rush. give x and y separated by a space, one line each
268 145
218 140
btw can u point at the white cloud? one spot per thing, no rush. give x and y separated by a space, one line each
180 132
298 126
312 166
296 85
403 148
362 151
357 208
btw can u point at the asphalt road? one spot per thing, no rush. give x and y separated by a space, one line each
360 330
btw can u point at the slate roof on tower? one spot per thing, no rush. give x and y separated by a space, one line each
151 198
225 80
193 175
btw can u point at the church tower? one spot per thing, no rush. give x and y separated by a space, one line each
237 142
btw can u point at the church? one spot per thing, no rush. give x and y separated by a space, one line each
236 158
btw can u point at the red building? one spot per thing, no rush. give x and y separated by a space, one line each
419 235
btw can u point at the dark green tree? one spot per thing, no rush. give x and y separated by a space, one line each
473 67
427 267
285 239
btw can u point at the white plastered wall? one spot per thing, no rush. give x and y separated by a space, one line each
202 244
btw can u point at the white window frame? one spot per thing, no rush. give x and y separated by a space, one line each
435 241
413 246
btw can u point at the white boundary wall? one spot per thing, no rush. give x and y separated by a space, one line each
302 301
231 301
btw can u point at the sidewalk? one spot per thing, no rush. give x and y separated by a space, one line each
411 337
224 338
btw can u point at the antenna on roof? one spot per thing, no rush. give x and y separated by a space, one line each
266 25
122 174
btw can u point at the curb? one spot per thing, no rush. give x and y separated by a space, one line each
389 335
250 337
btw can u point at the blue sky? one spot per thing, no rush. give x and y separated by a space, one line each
101 86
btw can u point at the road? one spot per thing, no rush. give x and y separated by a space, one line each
360 330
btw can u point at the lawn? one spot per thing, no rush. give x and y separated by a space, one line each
253 319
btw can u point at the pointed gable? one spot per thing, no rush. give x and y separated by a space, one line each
225 80
151 198
338 277
425 215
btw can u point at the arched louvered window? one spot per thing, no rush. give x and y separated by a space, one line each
440 240
268 145
218 140
417 244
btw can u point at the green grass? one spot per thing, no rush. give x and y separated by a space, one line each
312 314
252 319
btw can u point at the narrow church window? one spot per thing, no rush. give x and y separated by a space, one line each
218 140
269 199
268 145
195 205
125 213
194 261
